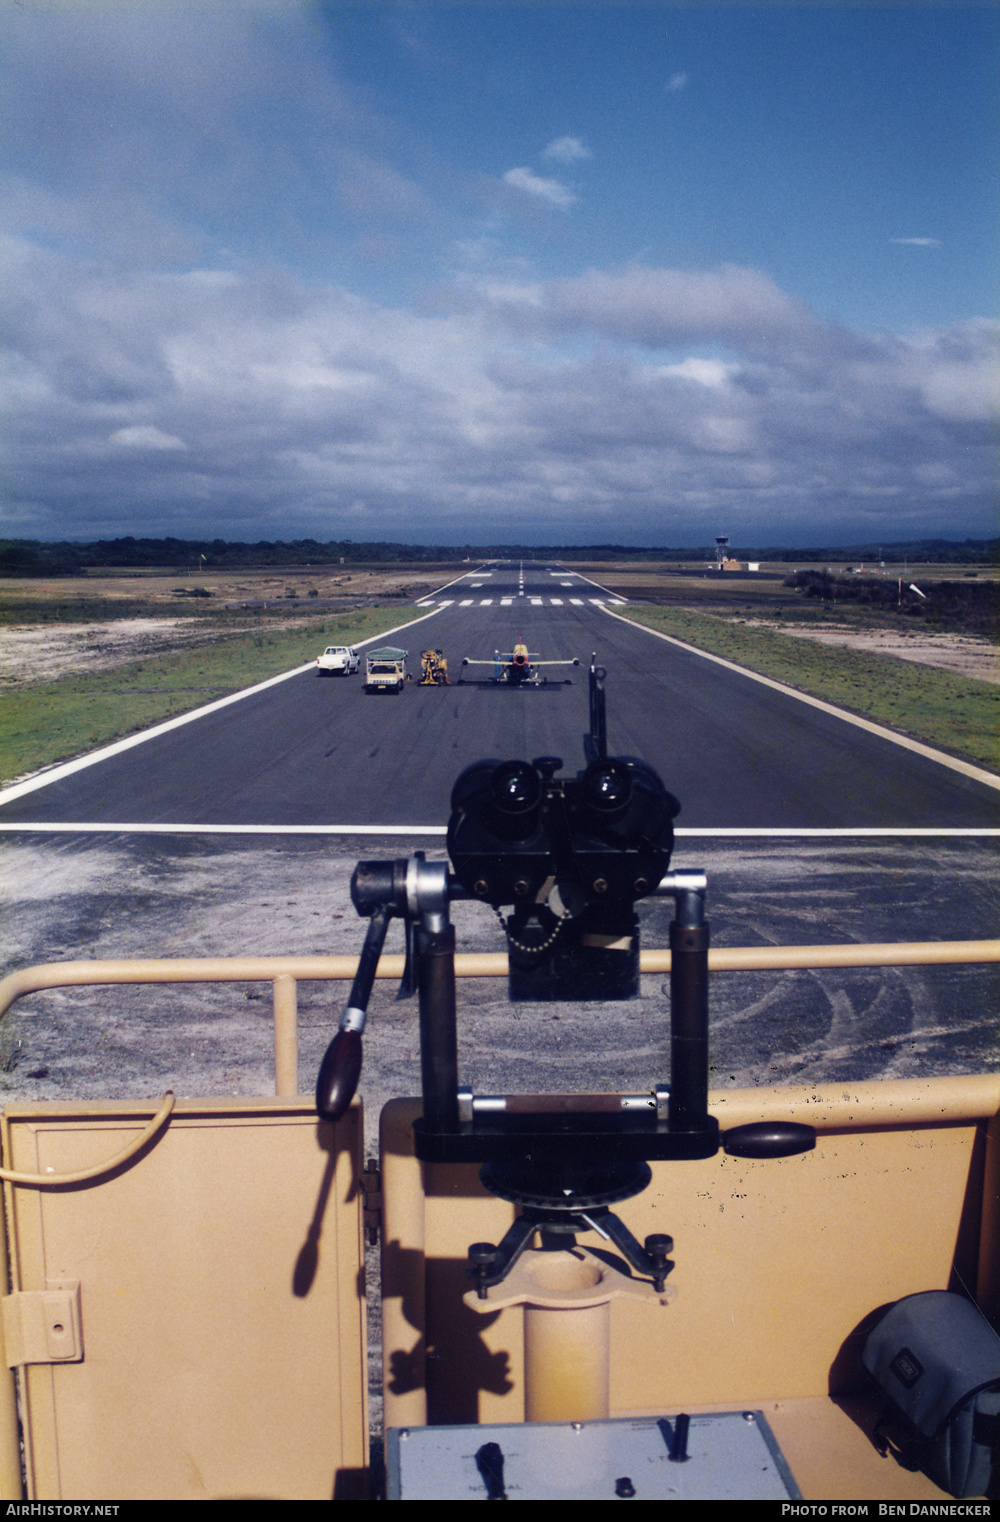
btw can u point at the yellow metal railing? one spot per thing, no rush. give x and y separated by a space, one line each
285 973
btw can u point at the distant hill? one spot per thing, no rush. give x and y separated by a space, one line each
35 557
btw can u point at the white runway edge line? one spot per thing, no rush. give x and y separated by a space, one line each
422 602
709 832
989 779
67 768
580 576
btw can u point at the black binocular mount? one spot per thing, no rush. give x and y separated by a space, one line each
571 857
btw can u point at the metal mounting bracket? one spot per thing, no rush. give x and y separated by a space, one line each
43 1325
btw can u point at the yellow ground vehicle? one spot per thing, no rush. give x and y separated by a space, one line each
385 669
433 669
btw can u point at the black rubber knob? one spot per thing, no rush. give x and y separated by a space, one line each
769 1138
338 1075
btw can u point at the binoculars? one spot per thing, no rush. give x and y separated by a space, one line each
570 857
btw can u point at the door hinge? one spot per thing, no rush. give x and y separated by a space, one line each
43 1325
371 1185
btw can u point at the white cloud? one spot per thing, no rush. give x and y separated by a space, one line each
567 150
962 386
279 406
146 436
553 191
724 435
714 373
919 242
160 132
664 306
164 371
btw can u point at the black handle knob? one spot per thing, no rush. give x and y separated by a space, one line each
768 1138
489 1462
338 1075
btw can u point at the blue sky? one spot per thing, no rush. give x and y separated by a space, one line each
636 273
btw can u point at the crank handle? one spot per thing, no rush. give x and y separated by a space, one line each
341 1067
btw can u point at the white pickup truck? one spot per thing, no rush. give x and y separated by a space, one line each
338 659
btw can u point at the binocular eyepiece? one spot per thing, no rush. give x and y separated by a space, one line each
571 856
609 828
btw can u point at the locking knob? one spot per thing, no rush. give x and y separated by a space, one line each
482 1260
658 1247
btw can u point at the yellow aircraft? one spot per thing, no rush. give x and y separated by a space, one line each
517 667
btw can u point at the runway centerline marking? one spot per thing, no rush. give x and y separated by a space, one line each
964 767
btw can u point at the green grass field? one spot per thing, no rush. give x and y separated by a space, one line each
54 721
957 714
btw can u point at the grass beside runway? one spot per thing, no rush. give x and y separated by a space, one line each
957 714
56 721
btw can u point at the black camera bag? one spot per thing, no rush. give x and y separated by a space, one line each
937 1359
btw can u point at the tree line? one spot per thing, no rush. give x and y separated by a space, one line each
35 557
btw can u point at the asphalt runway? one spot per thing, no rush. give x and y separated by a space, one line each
321 752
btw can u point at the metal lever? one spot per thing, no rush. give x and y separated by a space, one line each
408 982
595 744
341 1067
489 1462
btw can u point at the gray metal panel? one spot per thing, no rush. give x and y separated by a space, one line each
732 1455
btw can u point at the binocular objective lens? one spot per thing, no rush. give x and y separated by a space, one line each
516 788
609 787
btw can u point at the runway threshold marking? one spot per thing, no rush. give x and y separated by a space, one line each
693 832
580 577
506 602
989 779
422 601
68 768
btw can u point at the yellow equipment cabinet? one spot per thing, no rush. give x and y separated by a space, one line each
778 1264
190 1325
189 1322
